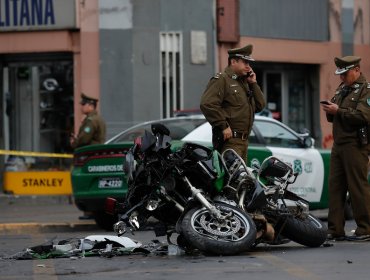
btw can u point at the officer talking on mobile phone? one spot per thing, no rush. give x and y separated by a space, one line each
230 101
349 111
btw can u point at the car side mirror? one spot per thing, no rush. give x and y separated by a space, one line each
308 142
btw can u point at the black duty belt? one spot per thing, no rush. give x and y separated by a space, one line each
241 135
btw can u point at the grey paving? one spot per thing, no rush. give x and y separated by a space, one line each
40 213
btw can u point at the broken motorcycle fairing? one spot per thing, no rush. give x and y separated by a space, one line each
93 245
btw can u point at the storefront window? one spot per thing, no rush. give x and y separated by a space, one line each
38 102
289 94
56 105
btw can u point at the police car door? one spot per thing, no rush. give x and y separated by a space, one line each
287 145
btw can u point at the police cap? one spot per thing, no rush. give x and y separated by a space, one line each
88 99
244 53
345 63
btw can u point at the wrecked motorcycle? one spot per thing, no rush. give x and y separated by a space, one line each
182 189
262 191
210 197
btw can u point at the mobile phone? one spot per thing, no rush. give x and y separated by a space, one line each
325 102
249 74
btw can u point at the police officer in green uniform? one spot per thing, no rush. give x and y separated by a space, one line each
92 129
230 101
349 111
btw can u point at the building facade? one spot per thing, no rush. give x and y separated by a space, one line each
145 59
46 60
295 42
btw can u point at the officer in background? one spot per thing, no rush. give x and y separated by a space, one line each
349 111
230 101
92 130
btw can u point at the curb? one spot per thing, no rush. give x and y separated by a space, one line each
62 199
24 228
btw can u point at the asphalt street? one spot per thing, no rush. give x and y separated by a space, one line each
50 213
29 221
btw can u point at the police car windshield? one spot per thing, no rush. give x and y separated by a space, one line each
179 128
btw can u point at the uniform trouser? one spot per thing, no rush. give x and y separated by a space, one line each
348 171
239 145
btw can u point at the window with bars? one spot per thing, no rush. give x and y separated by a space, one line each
171 73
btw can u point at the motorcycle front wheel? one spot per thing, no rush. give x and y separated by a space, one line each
232 234
310 232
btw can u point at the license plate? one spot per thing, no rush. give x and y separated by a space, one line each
110 183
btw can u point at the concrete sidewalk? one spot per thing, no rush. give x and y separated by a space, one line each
40 214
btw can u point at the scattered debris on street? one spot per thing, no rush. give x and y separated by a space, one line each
94 245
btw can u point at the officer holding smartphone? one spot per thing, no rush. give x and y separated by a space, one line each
230 101
349 111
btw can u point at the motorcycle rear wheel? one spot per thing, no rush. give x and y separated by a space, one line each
231 236
310 232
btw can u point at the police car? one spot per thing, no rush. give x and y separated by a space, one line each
271 137
98 169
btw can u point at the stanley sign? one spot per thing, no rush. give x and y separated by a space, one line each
38 183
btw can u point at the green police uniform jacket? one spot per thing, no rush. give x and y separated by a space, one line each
353 112
230 101
92 131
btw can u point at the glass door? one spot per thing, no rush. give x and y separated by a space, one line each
286 95
298 102
19 101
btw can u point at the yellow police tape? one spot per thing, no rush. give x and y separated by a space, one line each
37 182
34 154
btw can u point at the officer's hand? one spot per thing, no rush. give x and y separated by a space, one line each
227 133
330 108
252 78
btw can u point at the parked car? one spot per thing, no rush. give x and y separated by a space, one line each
98 169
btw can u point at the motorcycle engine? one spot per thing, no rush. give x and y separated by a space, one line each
239 176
